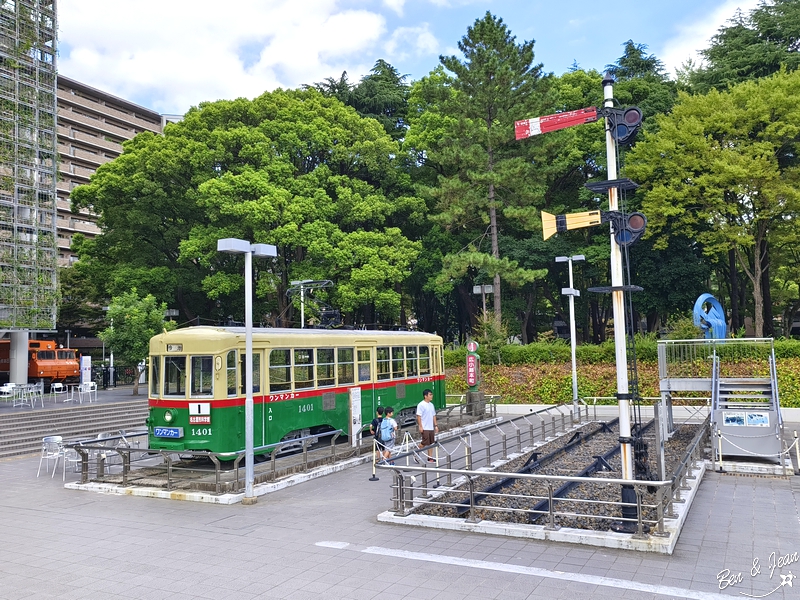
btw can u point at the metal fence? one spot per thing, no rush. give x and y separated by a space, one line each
415 487
124 452
684 359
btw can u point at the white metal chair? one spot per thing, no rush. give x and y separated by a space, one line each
36 392
59 390
7 391
52 449
87 390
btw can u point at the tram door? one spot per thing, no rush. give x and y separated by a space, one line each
365 371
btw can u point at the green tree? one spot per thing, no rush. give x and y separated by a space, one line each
381 95
290 168
723 170
464 132
751 46
133 320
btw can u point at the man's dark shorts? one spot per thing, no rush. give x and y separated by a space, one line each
428 438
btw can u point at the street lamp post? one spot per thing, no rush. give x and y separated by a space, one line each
237 246
302 285
572 293
483 290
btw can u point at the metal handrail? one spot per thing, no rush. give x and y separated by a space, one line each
404 500
83 448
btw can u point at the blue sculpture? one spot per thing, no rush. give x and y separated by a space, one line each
711 321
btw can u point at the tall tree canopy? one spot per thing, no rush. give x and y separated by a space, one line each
723 169
464 131
290 168
751 46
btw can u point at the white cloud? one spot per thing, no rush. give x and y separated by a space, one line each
395 5
178 53
415 41
695 36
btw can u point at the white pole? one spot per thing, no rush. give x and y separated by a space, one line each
302 308
573 342
249 498
111 363
618 302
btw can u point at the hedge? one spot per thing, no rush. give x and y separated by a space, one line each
541 373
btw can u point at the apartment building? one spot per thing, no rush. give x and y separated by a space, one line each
92 125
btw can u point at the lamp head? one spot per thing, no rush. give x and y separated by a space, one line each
233 246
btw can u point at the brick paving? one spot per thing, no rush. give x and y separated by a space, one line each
321 539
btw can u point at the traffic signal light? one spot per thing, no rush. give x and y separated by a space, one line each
629 228
623 123
552 224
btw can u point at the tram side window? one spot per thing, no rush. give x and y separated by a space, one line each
345 365
231 370
364 365
326 367
411 361
303 368
424 360
280 370
398 357
175 376
202 376
384 366
155 369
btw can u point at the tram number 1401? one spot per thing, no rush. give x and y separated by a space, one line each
305 408
201 431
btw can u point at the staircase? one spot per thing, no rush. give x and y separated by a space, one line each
21 433
747 413
745 393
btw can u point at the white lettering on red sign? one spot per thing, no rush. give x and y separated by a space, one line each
472 369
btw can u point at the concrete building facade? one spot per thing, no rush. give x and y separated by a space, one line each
92 125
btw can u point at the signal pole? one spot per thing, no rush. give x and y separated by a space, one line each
618 300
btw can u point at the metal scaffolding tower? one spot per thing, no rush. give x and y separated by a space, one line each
28 165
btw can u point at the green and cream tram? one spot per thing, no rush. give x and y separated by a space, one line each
303 383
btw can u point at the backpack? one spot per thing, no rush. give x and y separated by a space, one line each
377 427
386 430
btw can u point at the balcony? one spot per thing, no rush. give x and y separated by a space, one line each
106 110
96 124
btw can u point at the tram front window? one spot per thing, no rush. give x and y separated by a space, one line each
155 370
175 376
202 376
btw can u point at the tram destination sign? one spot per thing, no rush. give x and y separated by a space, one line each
168 432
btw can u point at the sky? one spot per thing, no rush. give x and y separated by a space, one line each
169 55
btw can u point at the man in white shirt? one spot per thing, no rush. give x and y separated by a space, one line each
426 421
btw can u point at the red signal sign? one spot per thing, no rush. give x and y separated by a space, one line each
530 127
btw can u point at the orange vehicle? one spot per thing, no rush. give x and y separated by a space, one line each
45 361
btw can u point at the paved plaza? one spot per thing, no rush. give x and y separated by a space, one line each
321 539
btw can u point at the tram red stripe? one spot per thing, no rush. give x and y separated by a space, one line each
261 399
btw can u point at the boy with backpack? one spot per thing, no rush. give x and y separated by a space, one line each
387 433
375 430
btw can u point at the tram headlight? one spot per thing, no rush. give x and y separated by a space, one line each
168 416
